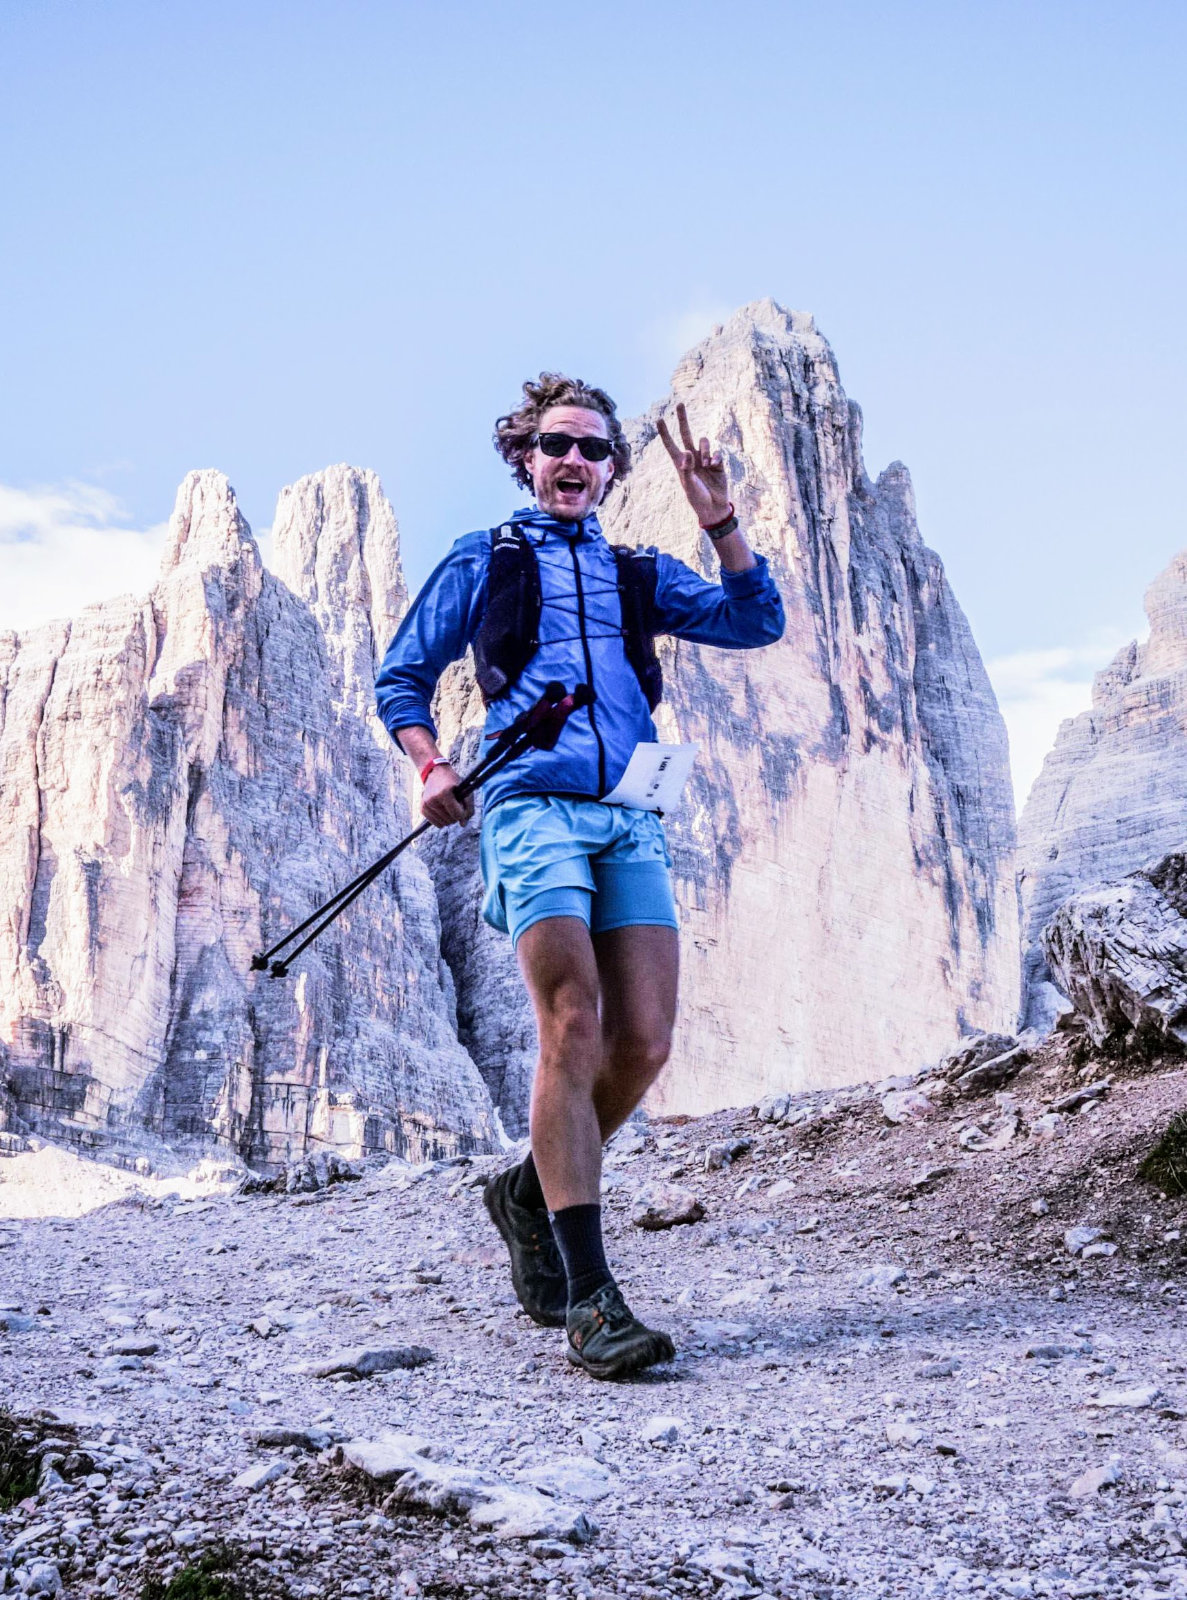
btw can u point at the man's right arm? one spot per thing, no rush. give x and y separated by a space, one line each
438 628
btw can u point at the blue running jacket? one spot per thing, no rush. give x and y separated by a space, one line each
580 642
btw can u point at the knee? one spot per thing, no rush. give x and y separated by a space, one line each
642 1056
570 1031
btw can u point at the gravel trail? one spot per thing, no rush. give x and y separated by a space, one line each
894 1376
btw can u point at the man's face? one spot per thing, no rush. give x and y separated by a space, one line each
569 487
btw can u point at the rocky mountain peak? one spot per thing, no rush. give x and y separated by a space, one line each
845 849
785 347
193 772
185 777
336 544
1166 607
207 528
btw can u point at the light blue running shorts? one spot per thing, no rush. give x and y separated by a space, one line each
547 857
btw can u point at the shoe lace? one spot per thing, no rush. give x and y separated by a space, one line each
613 1310
544 1247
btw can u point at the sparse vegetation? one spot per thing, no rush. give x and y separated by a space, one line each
211 1577
1166 1165
19 1461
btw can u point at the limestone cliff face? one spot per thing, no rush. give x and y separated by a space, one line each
844 861
183 777
1112 795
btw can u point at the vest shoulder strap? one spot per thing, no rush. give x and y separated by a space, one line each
637 578
508 636
509 633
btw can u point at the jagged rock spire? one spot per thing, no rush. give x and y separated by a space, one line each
185 777
844 863
336 544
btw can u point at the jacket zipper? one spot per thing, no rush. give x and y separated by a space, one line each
589 671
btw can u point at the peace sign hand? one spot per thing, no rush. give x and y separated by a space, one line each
702 475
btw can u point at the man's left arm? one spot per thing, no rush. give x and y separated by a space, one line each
745 609
741 612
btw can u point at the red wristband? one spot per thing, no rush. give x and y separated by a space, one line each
713 526
437 761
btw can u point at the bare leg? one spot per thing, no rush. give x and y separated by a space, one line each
594 1069
557 960
639 971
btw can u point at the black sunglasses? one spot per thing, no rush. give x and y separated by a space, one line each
559 444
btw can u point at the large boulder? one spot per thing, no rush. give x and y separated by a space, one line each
1120 955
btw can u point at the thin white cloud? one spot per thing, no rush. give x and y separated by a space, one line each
674 335
62 548
1038 689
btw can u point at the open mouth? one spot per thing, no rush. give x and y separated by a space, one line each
570 485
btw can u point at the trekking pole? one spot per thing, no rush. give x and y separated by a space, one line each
539 727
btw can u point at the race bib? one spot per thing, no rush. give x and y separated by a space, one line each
654 777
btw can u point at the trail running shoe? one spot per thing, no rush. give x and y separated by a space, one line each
608 1341
537 1271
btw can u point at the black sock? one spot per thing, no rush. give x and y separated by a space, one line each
578 1233
526 1190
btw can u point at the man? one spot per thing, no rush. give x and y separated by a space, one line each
582 887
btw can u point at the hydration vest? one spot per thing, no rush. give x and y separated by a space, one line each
509 633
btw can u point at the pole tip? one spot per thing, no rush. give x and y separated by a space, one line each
279 969
259 963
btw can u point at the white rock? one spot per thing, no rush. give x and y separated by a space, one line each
570 1478
1136 1399
509 1512
906 1105
731 1565
1095 1479
164 1321
662 1430
886 1276
1076 1240
135 1347
28 1536
720 1335
903 1433
1051 1125
665 1205
365 1361
43 1578
779 1190
1120 953
262 1473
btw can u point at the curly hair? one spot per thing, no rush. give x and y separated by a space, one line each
515 433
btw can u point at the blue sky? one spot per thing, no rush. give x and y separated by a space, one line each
266 237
